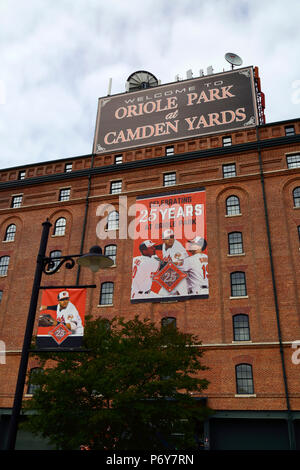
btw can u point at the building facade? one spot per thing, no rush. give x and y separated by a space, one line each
250 321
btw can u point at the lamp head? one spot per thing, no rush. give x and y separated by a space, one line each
95 260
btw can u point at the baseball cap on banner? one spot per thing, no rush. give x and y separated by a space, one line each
146 244
168 234
63 295
199 241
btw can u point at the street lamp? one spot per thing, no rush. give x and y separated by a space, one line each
94 260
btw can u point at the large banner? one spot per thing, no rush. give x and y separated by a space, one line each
61 318
190 108
170 260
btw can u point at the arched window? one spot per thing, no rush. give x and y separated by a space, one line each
238 284
60 226
235 243
296 196
113 221
10 233
241 330
244 379
107 293
4 262
232 205
32 387
111 251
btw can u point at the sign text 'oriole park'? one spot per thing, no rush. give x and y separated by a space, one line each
180 110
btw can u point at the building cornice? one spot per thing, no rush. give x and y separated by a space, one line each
158 161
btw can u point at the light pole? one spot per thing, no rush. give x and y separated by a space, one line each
95 261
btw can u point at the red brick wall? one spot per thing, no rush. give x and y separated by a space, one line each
210 319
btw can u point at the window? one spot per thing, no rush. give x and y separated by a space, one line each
113 221
1 295
169 151
116 187
10 233
299 232
293 161
296 196
229 170
32 387
168 321
17 201
118 159
169 179
235 243
241 331
289 130
64 194
4 262
55 254
107 292
244 379
227 141
111 251
232 205
238 284
60 226
68 167
21 175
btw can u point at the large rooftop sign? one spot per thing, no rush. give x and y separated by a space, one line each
180 110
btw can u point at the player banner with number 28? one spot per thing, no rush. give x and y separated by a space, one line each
170 260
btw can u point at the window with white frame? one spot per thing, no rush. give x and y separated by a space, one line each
296 197
233 205
244 379
113 221
118 159
229 170
10 233
111 251
169 151
227 141
68 167
241 330
60 227
293 161
170 179
289 130
106 294
116 187
4 263
238 284
64 194
235 243
17 201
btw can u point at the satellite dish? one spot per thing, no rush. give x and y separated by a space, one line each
233 59
141 80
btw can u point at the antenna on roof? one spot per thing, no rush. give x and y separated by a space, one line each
233 59
109 87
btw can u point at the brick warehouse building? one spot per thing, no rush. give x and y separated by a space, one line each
250 319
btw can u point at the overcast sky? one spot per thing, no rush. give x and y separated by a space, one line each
57 57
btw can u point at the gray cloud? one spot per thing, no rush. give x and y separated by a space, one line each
57 58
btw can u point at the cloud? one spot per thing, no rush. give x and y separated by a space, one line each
57 59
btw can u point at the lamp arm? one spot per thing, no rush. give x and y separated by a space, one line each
50 267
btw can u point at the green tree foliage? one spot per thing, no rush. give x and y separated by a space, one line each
134 388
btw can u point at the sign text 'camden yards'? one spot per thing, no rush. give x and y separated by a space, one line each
218 103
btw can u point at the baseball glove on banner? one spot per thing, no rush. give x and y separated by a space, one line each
45 320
